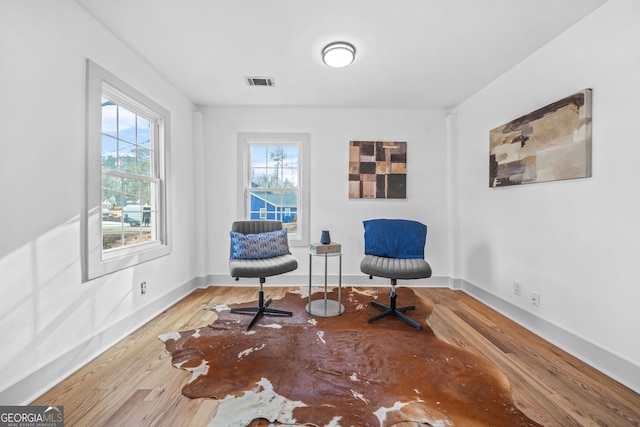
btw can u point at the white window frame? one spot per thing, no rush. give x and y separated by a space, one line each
98 262
244 180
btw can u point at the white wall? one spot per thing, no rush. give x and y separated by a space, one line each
51 322
575 242
331 209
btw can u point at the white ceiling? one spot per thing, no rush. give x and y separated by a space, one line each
410 53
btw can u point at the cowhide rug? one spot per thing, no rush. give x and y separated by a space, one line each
340 371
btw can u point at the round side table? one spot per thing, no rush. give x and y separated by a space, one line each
326 307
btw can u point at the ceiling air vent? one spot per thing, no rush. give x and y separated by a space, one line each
260 81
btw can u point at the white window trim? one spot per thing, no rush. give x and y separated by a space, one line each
96 262
304 139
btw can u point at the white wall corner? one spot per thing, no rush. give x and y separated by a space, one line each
453 194
201 212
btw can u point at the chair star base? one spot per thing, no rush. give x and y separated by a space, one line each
392 310
262 309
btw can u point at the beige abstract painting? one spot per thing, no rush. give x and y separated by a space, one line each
550 144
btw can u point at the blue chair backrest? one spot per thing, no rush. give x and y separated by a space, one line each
394 238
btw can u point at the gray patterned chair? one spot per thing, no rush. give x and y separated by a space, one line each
394 249
259 249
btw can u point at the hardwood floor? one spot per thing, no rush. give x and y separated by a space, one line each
134 384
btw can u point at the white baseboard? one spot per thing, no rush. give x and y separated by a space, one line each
47 376
44 378
621 370
332 280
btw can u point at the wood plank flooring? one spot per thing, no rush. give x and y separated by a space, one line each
134 384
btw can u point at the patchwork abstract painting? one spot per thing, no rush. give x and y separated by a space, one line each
550 144
377 170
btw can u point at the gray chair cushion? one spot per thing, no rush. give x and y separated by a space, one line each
264 267
253 227
395 268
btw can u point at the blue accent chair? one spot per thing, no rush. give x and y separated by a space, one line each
394 249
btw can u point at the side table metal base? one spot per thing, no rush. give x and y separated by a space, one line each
325 308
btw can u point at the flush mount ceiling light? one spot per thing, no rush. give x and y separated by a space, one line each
338 54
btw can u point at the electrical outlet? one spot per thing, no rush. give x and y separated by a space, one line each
517 288
143 288
535 299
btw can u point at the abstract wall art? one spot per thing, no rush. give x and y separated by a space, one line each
550 144
377 170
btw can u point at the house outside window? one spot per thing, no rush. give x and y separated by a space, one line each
126 219
275 181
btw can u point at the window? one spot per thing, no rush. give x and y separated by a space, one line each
127 140
275 181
